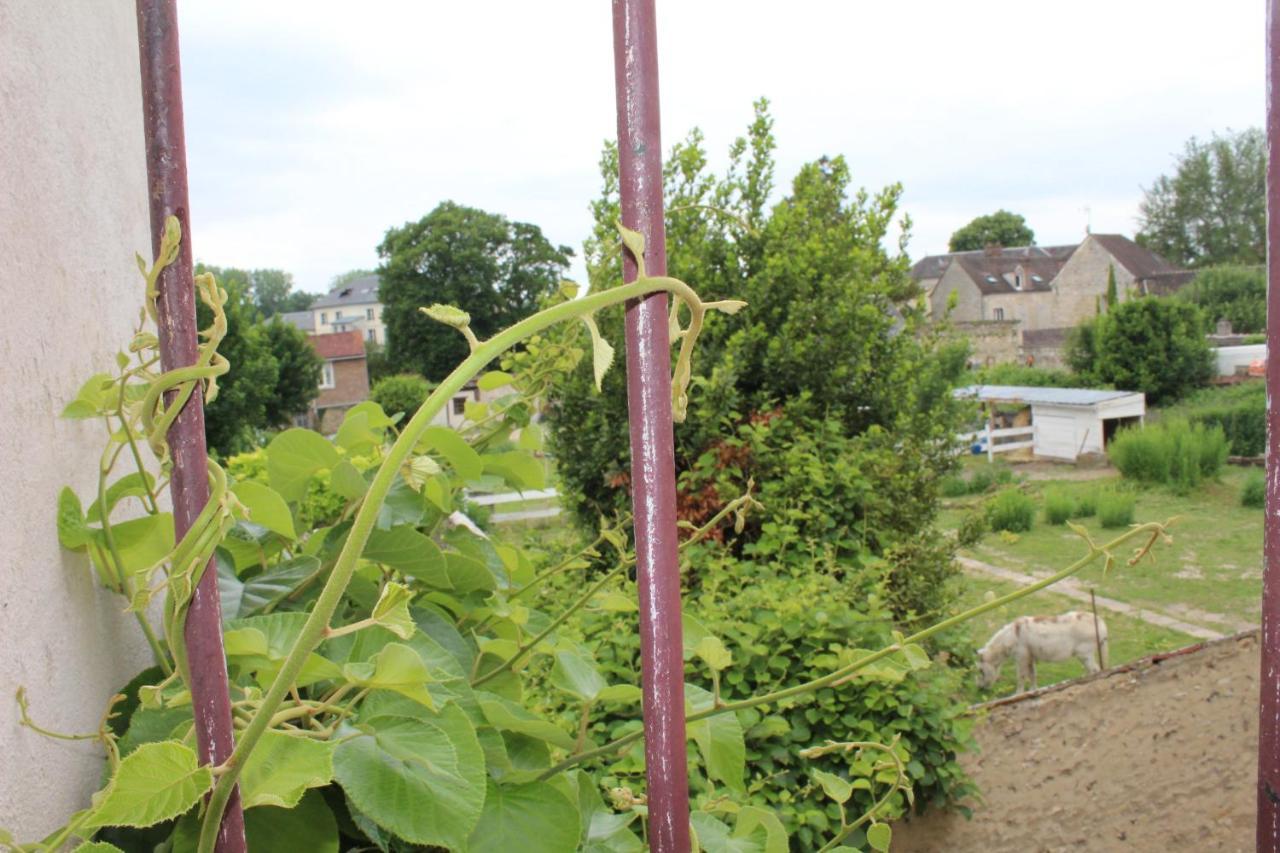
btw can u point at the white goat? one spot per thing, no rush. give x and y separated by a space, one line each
1043 638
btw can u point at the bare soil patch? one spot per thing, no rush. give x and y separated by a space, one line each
1159 755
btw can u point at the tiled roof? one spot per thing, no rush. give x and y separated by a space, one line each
1165 283
358 291
989 268
338 345
1138 260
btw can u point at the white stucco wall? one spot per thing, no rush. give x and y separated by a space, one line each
72 213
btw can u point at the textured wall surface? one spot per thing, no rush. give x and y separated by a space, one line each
1150 758
72 213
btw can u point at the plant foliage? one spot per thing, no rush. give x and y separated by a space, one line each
1001 228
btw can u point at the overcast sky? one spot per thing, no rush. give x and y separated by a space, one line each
312 127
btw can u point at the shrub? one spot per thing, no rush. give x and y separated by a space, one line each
1254 493
1058 506
1011 510
788 619
1020 374
1172 452
1241 411
1086 504
953 487
1115 508
981 480
403 392
1149 344
1234 293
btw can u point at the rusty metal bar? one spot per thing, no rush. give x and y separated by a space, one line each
635 59
1268 836
189 486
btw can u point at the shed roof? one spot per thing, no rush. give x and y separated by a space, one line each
1031 395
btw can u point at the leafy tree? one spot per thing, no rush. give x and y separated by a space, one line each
832 344
375 359
1148 344
300 367
270 290
1113 295
493 268
1237 294
403 392
1212 210
1001 228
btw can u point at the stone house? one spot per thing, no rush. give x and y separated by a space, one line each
1038 292
344 378
352 306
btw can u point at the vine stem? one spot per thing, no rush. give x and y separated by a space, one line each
331 594
845 672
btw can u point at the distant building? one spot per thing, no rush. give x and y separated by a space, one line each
351 307
1018 303
344 378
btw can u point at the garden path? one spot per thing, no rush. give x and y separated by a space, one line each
1074 589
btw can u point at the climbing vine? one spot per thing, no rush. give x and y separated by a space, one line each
387 664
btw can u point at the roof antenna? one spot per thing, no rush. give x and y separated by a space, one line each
1088 223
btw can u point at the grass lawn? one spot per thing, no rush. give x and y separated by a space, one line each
1213 568
1129 639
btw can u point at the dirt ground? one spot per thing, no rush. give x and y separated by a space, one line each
1160 755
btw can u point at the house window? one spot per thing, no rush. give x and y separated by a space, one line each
326 375
1017 281
459 405
368 313
371 334
999 313
324 317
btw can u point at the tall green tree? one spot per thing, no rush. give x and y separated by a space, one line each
831 365
1113 293
270 290
494 269
1212 209
1149 344
1001 228
299 373
1237 294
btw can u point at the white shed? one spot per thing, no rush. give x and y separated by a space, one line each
1065 422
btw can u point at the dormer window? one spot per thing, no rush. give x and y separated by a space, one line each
1017 281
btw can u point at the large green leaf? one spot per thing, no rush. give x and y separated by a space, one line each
267 590
141 542
406 550
131 485
467 574
454 449
423 779
713 836
97 847
577 675
392 610
149 725
282 767
533 818
91 399
402 505
293 457
357 434
309 827
346 480
519 468
266 508
508 716
260 644
156 782
719 739
397 667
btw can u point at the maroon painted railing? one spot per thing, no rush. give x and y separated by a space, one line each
176 313
1269 701
635 58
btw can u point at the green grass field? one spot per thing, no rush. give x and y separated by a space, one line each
1210 575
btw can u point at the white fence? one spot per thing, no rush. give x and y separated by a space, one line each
991 439
517 497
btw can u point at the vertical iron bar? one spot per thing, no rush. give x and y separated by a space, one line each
1268 836
176 310
635 58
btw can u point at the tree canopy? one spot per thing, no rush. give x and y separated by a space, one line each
1001 228
494 269
1212 209
1237 294
1149 344
270 290
827 383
